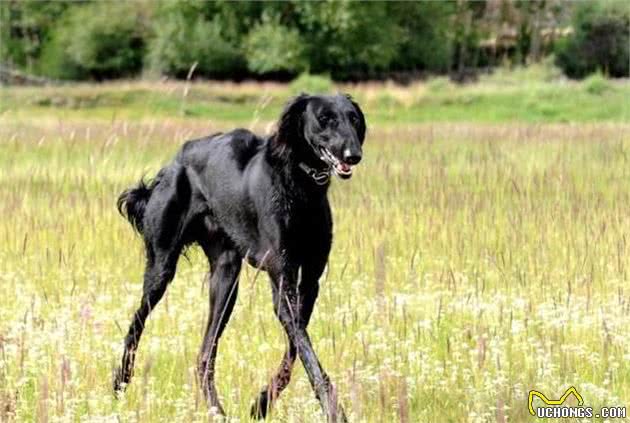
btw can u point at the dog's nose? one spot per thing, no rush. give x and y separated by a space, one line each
351 158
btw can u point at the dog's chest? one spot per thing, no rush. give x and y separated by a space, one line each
305 219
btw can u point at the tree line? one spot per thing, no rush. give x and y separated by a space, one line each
348 40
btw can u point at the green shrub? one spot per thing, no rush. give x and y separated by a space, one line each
55 62
274 48
599 42
24 27
596 84
349 39
426 39
98 40
308 83
180 41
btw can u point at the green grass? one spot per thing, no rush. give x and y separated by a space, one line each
473 260
502 97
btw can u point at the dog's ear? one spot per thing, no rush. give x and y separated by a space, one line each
290 125
291 119
359 126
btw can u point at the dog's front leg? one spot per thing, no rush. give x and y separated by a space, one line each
285 299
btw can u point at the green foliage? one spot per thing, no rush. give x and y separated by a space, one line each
98 40
308 83
349 39
56 62
596 84
344 39
274 48
183 39
25 26
5 32
599 42
425 43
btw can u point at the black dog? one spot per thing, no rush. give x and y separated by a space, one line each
239 197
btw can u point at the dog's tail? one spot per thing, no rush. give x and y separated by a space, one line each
132 202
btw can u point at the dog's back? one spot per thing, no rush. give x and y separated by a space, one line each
236 147
201 167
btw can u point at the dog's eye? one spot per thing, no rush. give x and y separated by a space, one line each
323 120
354 118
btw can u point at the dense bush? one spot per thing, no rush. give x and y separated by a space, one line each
596 84
274 48
227 39
180 42
97 41
600 40
349 39
425 43
25 27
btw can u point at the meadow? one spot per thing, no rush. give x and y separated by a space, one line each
481 251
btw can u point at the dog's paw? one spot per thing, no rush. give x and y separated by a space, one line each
259 407
119 383
217 414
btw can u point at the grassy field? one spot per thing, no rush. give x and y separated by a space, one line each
534 95
481 251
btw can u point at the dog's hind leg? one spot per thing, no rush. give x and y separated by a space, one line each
165 230
159 272
225 264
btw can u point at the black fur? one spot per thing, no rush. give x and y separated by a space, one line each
243 197
133 201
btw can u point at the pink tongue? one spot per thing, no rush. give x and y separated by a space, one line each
343 167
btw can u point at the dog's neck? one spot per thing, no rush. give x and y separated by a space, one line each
299 166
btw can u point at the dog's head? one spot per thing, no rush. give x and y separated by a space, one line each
329 129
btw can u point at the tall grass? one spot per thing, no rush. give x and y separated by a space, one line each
471 264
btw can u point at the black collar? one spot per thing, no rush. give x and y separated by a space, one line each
321 177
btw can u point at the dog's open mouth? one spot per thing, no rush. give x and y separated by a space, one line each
341 169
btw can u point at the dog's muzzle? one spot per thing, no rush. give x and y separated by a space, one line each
340 168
